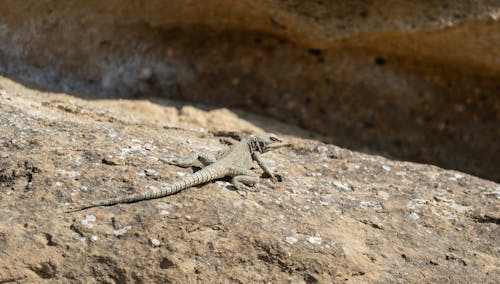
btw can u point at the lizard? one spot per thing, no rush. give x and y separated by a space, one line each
235 162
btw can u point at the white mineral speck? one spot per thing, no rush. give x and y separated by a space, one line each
112 134
386 168
87 222
164 212
150 172
122 231
414 216
155 242
224 184
315 240
290 240
321 149
83 239
341 185
94 238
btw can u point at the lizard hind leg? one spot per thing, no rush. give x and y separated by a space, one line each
244 179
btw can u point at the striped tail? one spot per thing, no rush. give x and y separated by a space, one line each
200 177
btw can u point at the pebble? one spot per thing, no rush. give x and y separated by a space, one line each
148 146
150 172
291 240
414 216
224 184
94 238
321 149
155 242
122 231
386 168
164 212
315 240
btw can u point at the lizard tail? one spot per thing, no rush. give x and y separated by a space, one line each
125 199
199 177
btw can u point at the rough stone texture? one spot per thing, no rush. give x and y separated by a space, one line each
414 80
337 216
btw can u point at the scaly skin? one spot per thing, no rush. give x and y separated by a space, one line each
235 163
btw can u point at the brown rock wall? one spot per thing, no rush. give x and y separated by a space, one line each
417 81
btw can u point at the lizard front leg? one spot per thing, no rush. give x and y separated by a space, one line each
258 158
191 159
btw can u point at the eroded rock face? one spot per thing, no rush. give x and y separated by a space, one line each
415 81
336 216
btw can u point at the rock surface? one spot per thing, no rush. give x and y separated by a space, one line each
336 216
417 81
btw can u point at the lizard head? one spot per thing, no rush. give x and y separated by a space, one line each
266 142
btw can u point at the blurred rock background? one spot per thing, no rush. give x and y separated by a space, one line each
416 81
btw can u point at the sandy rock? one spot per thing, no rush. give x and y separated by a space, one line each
352 223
